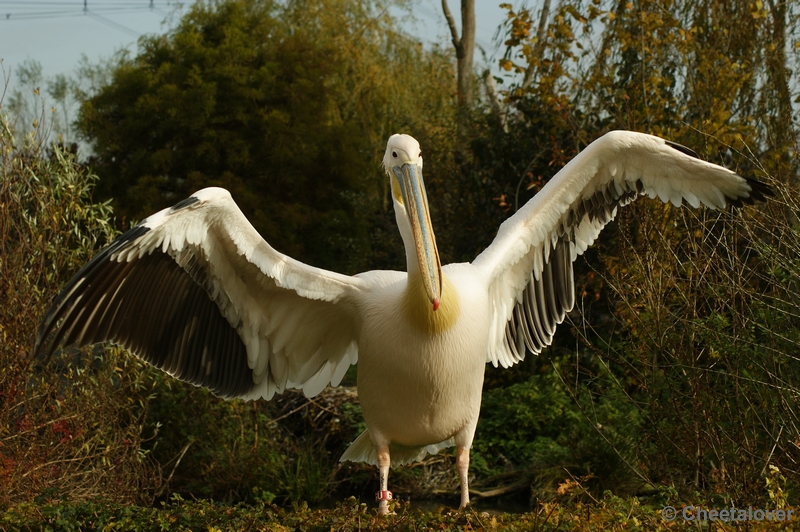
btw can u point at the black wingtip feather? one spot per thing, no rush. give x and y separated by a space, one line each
182 204
759 191
683 149
58 306
160 311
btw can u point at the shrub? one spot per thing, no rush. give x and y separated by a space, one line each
72 428
705 341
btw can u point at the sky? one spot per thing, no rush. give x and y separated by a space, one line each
56 33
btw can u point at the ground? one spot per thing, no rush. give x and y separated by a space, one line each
609 513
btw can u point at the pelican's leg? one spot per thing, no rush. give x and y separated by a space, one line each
384 495
463 441
462 463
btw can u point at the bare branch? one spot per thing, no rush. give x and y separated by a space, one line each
451 22
543 22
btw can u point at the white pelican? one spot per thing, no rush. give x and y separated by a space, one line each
195 290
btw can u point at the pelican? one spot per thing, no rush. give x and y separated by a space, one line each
196 291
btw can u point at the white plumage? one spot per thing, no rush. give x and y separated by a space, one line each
196 291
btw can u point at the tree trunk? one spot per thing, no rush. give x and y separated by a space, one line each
778 73
539 47
494 99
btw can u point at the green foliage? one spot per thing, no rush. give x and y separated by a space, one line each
539 431
606 513
212 448
283 450
528 423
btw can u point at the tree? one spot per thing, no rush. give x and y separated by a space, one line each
29 108
46 105
288 105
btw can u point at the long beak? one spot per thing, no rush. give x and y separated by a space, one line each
409 176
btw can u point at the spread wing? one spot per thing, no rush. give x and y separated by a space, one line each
529 263
195 290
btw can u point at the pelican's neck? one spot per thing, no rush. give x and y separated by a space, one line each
412 262
416 305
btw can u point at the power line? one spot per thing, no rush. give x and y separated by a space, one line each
112 24
43 9
56 14
80 4
46 9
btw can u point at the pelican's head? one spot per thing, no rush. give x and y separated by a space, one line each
403 165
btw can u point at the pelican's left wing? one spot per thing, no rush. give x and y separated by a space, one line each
196 291
529 263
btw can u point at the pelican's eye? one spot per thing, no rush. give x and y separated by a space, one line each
394 154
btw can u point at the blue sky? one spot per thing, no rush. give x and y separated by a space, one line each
57 32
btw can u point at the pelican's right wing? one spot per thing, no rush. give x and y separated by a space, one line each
529 263
195 290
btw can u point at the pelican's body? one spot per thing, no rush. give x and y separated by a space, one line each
197 292
409 359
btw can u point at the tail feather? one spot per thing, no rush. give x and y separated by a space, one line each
361 450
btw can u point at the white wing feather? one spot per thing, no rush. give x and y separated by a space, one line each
574 206
297 323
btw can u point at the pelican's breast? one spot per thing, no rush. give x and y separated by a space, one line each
419 313
420 371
